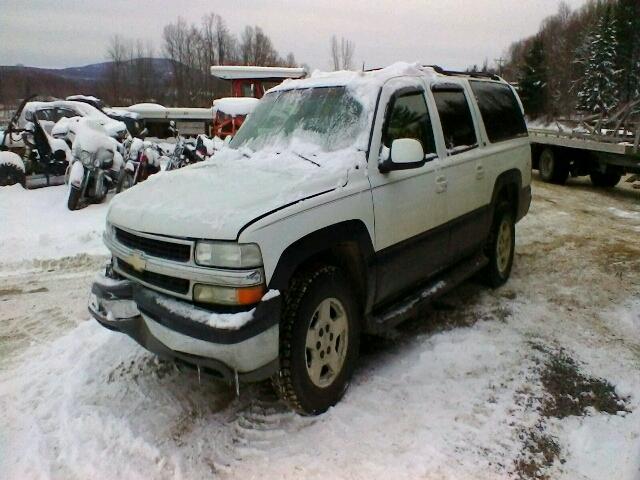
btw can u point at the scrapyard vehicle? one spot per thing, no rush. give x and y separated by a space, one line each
345 203
133 122
95 167
248 85
44 159
142 159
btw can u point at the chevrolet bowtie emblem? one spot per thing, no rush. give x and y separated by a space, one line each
137 261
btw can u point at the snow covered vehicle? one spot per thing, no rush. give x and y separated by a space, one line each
345 202
135 124
142 159
95 167
44 159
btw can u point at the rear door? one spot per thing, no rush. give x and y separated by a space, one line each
409 242
463 169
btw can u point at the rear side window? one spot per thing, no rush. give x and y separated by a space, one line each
455 117
409 118
500 111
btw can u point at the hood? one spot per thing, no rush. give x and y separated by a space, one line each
216 198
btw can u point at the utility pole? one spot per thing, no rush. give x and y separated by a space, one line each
500 62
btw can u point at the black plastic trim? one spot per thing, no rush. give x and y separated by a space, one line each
266 315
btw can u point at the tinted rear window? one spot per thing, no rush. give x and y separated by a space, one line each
500 111
455 117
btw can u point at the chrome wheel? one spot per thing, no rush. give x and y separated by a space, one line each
503 245
326 343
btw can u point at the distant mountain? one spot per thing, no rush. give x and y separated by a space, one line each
19 81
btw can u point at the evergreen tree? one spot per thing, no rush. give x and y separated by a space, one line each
533 80
628 36
599 87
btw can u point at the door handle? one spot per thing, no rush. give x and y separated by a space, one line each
479 172
441 184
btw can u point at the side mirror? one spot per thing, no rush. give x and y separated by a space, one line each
405 154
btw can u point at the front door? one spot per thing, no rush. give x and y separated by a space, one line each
409 206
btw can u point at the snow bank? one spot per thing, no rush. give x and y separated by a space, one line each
235 106
36 224
10 158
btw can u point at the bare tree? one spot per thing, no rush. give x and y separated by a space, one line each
117 53
342 53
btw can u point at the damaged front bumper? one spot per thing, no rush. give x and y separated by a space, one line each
249 353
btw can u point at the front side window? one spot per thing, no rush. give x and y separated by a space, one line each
409 118
455 117
501 113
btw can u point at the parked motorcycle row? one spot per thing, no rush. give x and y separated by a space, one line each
92 159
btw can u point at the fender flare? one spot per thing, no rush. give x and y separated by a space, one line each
511 179
76 174
323 240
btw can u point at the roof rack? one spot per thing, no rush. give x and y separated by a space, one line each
442 71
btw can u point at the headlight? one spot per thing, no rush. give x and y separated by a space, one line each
228 295
228 254
85 158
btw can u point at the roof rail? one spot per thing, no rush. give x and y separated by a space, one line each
442 71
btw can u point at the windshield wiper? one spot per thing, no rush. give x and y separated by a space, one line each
307 159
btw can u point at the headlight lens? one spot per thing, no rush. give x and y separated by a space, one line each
85 158
228 295
228 254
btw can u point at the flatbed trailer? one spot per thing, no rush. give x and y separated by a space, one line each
606 158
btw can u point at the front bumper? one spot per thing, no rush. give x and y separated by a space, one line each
250 352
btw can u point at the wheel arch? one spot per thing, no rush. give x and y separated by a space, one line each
507 187
346 245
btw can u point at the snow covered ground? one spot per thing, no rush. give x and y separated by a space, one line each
511 383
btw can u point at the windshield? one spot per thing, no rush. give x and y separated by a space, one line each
326 117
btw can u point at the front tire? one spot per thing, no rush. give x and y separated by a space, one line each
552 168
125 181
501 247
319 341
74 198
605 180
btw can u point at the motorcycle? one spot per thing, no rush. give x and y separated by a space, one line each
95 167
142 160
184 153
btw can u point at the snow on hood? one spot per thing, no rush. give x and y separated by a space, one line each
216 198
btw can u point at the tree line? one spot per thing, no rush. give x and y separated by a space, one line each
190 50
584 62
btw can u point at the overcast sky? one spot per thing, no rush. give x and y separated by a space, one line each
451 33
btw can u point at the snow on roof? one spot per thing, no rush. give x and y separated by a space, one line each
89 98
355 79
235 106
147 106
243 72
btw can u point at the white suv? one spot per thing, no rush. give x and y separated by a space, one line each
344 203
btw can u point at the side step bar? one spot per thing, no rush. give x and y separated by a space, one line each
409 306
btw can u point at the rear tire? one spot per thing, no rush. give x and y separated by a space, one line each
605 180
553 169
319 341
500 247
11 175
74 198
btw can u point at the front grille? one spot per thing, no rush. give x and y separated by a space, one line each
155 248
172 284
